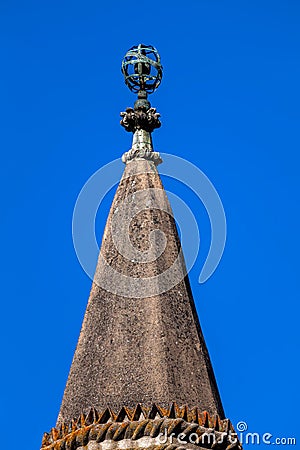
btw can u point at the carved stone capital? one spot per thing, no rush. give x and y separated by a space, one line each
140 119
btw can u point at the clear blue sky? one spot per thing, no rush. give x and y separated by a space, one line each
229 102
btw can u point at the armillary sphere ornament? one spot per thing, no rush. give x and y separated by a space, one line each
142 69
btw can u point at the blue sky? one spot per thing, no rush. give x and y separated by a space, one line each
229 102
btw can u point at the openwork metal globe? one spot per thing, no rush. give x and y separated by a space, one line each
142 69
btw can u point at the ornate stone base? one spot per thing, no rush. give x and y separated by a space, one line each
142 148
178 428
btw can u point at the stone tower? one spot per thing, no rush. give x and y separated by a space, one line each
141 376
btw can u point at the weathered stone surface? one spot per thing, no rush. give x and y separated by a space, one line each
141 341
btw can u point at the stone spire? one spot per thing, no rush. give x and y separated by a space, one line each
141 365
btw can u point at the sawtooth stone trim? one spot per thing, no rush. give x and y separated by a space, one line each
142 428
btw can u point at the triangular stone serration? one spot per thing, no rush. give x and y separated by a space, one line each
155 412
105 416
138 413
123 415
90 417
172 411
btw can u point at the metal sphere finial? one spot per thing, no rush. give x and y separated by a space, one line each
142 69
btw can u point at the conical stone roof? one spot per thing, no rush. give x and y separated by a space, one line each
141 341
